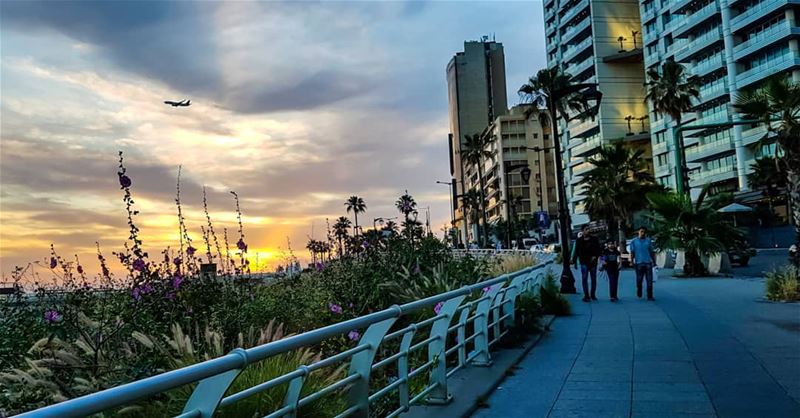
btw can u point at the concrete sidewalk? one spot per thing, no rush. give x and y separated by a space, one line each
705 348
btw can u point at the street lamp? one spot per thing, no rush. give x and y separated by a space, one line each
382 220
588 91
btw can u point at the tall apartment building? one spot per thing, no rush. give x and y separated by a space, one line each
507 193
598 42
732 45
476 85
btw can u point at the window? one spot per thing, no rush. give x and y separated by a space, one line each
661 137
662 159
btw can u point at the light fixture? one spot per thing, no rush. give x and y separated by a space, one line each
621 39
629 118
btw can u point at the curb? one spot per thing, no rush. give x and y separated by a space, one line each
476 384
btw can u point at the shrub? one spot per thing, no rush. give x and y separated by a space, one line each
784 284
512 263
553 302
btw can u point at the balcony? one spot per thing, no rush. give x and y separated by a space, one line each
574 30
691 21
576 161
582 169
715 175
577 68
587 146
705 152
635 55
572 50
758 11
583 128
663 170
660 148
785 62
705 119
698 45
708 67
710 93
648 15
650 37
678 7
574 10
774 34
657 125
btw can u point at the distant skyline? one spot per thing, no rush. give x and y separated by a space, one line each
295 106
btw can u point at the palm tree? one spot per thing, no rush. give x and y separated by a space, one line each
340 229
470 201
406 205
779 99
357 205
474 151
670 92
539 88
696 228
615 186
768 175
391 226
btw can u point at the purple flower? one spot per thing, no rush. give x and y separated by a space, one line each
147 288
53 262
335 308
416 269
191 250
169 296
124 181
176 281
241 245
177 261
437 308
319 266
136 293
365 244
353 335
138 264
486 289
80 269
52 316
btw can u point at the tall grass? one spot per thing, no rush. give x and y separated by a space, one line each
783 284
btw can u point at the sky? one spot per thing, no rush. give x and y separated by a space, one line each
295 106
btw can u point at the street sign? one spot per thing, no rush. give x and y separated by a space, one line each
542 219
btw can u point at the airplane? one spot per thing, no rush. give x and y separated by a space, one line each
182 103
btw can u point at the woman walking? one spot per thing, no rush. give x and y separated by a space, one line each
610 259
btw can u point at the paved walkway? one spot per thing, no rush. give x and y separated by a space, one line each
705 348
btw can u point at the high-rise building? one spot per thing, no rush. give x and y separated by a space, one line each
508 194
732 45
476 84
598 42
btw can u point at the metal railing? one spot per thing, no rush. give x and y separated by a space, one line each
489 252
489 317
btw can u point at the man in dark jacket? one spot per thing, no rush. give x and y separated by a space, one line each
587 250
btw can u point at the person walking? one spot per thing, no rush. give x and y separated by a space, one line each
643 260
587 250
610 259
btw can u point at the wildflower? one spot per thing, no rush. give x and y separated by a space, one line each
365 244
416 269
437 308
319 266
241 245
52 316
138 264
147 288
124 181
353 335
53 262
176 281
177 261
136 293
105 271
169 296
486 289
80 269
335 308
191 250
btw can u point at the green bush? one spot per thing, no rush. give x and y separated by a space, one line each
553 302
783 284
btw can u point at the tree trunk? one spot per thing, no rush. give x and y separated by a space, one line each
355 227
694 264
793 187
482 208
621 237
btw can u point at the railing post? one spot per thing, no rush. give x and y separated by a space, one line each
437 349
361 363
209 392
461 336
402 370
481 327
293 392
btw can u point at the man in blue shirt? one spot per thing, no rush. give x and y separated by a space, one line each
643 260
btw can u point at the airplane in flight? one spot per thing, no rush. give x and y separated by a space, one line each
182 103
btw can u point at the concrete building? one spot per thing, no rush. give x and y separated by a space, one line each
598 42
476 85
507 194
732 45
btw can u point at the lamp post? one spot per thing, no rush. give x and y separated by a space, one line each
588 91
539 149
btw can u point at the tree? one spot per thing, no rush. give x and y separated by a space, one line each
340 229
470 201
392 227
696 228
406 205
541 87
357 205
768 175
670 92
474 151
616 185
777 104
